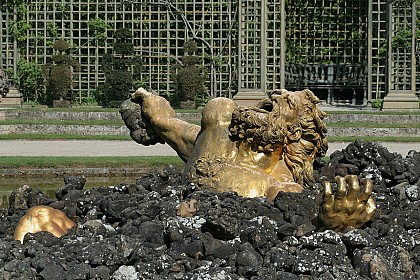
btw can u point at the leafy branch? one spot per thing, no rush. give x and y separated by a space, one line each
19 28
98 27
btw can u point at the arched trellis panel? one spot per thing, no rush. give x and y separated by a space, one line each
401 55
339 49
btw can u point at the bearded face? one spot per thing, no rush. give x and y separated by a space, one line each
266 126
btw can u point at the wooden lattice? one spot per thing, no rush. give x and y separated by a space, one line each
7 53
240 42
159 32
251 39
401 37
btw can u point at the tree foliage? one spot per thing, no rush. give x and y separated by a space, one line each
189 78
30 80
19 27
119 67
97 30
59 74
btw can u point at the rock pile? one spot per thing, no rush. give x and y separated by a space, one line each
158 228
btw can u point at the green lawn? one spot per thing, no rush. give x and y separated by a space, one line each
62 122
373 125
366 112
405 139
72 109
63 137
87 109
80 162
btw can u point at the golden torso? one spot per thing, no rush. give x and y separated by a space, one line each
220 164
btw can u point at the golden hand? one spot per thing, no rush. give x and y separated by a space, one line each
347 209
153 106
139 95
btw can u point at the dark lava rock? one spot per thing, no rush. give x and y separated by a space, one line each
389 262
132 231
19 198
413 192
71 183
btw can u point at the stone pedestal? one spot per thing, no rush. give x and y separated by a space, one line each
249 98
13 99
401 100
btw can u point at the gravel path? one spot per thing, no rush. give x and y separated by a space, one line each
128 148
81 148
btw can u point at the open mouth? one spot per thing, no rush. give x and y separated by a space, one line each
265 106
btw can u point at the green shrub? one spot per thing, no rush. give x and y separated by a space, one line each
119 68
30 80
377 103
59 75
189 78
87 101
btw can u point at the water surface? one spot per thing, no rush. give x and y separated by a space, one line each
49 185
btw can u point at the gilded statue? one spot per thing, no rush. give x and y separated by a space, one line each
271 146
253 151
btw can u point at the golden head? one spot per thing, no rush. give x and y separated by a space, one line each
287 121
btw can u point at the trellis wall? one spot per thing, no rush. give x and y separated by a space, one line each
7 47
402 61
324 31
275 48
326 37
160 28
379 48
252 39
240 42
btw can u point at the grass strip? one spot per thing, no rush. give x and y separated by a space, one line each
72 109
121 123
87 109
64 137
373 125
367 111
61 122
404 139
23 162
363 112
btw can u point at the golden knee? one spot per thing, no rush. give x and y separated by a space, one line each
43 218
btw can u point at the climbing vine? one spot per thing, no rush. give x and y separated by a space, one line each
402 39
97 30
19 28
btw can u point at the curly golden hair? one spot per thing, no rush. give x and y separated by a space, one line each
300 155
288 120
262 131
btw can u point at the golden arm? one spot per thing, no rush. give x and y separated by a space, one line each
179 134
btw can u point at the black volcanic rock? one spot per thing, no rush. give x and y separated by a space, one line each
71 183
132 231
